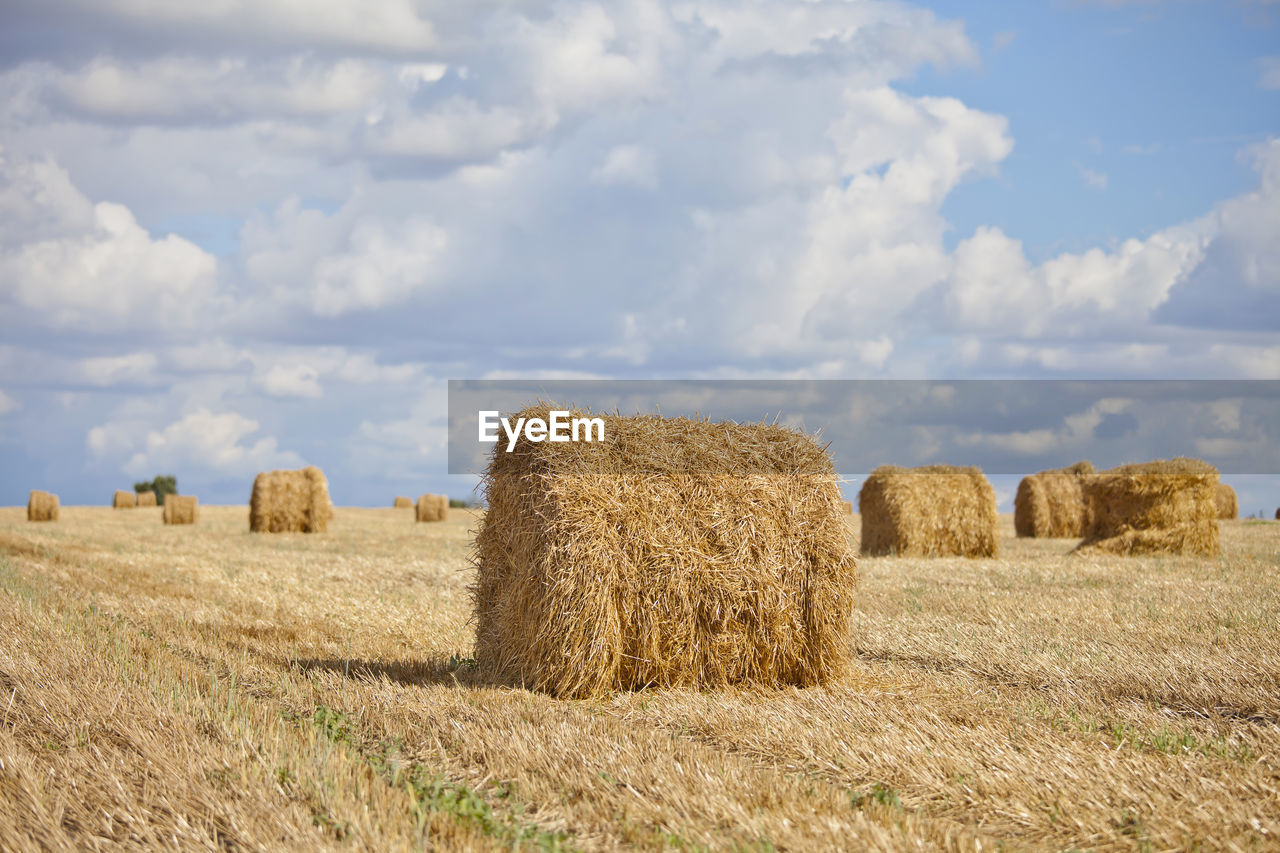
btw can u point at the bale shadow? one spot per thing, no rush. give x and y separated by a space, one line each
446 671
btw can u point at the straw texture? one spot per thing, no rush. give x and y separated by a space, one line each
432 508
146 498
1051 504
848 507
1225 500
290 502
124 500
677 552
933 511
402 502
1162 507
181 509
42 506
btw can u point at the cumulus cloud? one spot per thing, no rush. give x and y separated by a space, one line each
189 90
624 165
114 370
202 442
75 264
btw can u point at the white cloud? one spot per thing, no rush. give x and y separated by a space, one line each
348 261
1092 178
290 380
1269 72
114 370
7 403
211 91
631 165
90 266
203 442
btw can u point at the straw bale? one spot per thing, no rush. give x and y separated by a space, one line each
42 506
181 509
1050 504
937 510
124 500
848 507
146 498
1278 513
433 508
1162 507
677 552
401 502
1225 500
290 502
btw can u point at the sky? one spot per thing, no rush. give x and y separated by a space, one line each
239 236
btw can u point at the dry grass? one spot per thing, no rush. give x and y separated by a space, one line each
931 511
204 687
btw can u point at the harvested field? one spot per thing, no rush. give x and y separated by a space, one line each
206 687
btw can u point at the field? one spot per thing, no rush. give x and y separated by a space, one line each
209 688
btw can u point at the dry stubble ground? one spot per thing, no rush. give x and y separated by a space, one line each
205 687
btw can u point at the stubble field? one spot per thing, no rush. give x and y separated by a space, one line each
168 687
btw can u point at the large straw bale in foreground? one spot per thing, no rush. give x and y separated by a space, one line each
402 502
433 508
1224 499
124 500
181 509
42 506
1153 508
676 552
1051 505
147 498
937 510
290 502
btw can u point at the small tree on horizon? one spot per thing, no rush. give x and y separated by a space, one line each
163 484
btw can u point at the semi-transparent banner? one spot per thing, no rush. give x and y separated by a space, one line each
1003 426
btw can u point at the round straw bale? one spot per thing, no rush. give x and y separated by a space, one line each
676 552
933 511
1225 500
124 500
401 502
290 502
181 509
433 508
147 498
42 506
1162 507
1050 504
848 507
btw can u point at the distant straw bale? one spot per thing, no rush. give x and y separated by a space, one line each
124 500
433 508
146 498
937 510
848 507
1162 507
290 502
181 509
1224 499
1051 505
401 502
676 552
42 506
